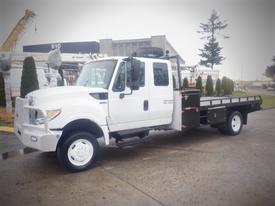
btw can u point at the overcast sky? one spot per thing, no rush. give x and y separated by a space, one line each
251 26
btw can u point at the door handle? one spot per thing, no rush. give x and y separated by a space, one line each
145 105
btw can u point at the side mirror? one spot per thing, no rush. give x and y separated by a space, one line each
135 74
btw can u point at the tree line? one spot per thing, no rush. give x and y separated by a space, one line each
222 87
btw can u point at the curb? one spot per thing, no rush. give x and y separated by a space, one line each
6 129
268 108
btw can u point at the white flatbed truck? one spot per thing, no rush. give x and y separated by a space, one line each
120 97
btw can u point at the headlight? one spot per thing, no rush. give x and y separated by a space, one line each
51 114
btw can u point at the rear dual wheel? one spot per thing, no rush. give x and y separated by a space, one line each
234 124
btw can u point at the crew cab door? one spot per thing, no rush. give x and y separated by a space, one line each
128 110
160 92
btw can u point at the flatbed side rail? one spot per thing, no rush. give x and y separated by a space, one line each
229 100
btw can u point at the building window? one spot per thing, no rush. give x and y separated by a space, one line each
160 74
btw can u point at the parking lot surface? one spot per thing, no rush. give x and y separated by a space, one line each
198 167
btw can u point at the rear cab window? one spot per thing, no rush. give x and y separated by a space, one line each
161 77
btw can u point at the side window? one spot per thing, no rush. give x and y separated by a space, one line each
141 75
160 74
119 84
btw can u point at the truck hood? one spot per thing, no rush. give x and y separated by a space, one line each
69 93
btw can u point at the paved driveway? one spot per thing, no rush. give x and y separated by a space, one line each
199 167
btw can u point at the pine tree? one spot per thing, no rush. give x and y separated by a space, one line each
225 86
218 87
185 83
199 84
29 80
270 70
231 86
209 86
2 91
211 52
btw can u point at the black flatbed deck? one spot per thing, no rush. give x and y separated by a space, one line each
253 102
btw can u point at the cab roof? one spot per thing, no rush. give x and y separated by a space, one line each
144 59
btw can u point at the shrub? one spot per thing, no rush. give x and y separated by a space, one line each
29 80
209 86
185 83
231 86
218 87
227 86
199 84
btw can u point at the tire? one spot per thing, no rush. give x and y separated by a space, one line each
79 151
223 129
234 123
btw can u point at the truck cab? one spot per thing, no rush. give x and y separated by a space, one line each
115 97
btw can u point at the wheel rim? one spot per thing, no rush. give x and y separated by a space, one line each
80 152
236 123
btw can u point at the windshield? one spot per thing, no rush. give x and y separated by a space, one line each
97 74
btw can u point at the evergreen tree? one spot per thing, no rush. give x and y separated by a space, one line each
227 86
224 86
218 87
209 86
199 84
270 70
185 84
211 52
2 91
29 81
231 83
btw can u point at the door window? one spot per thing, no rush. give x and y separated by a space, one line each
141 75
119 84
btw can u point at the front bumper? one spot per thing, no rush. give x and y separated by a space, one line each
35 136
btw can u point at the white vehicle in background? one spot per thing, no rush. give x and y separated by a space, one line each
16 73
120 97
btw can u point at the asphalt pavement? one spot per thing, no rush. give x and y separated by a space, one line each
198 167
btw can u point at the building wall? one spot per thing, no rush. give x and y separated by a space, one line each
129 46
106 46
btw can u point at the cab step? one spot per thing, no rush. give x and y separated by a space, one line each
132 142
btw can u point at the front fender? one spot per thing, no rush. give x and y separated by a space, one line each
92 112
99 121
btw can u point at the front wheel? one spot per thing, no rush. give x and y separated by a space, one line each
78 151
